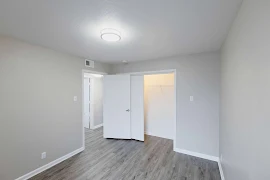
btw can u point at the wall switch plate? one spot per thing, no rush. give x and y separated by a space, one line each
191 98
221 158
75 98
43 155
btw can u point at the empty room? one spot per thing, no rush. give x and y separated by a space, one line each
134 90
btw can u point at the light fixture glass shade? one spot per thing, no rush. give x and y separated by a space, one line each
110 35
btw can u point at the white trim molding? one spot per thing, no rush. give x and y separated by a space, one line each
199 155
97 126
49 165
221 170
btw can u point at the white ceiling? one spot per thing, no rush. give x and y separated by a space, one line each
150 29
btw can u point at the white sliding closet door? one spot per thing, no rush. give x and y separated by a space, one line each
137 107
116 107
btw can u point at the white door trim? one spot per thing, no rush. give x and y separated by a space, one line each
165 71
93 72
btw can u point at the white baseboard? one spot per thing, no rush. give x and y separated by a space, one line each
221 170
151 134
97 126
148 133
49 165
203 156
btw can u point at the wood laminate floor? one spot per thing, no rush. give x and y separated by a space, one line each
112 159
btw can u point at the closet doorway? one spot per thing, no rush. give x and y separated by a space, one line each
159 110
140 103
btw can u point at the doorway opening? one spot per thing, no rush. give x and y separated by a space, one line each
92 100
159 110
140 103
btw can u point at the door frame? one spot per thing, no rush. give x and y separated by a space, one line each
91 123
165 71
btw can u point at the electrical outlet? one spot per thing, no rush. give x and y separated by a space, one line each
191 98
75 98
43 155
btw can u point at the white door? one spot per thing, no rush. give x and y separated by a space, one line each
116 106
137 107
96 105
86 110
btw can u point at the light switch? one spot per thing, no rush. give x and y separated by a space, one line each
75 98
43 155
191 98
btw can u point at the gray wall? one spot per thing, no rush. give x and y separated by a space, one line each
37 112
197 75
245 108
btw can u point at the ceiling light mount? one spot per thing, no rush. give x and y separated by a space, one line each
110 35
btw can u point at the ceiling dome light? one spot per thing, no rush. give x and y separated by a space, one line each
110 35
